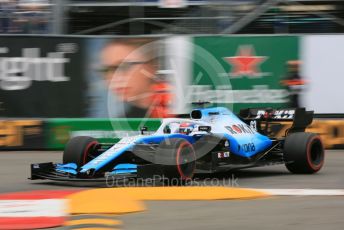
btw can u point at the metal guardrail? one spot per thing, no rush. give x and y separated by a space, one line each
329 115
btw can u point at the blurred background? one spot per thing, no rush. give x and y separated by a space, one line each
105 68
123 17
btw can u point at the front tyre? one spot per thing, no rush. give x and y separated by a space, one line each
303 153
178 160
80 150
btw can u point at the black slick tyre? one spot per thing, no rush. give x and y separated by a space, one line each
80 150
303 153
177 159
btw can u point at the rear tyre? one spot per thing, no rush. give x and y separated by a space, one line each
303 153
178 160
80 150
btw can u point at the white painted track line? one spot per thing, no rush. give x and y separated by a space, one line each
304 192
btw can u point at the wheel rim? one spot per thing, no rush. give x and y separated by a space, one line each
186 161
315 154
88 152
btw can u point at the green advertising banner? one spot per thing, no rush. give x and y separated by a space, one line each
105 130
242 71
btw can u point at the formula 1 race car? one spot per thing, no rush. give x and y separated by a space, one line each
211 140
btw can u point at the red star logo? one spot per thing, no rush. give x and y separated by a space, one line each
245 63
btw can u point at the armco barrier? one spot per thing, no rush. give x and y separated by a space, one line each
60 130
22 134
52 134
331 131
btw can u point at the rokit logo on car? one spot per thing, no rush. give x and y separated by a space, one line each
240 129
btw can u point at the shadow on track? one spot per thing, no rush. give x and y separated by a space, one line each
207 179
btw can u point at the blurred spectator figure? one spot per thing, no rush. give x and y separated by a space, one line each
7 16
293 82
34 16
130 69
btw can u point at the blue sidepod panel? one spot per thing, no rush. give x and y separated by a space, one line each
248 147
244 140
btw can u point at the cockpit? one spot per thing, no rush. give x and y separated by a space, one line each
180 127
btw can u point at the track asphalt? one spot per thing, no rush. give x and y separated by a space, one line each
277 212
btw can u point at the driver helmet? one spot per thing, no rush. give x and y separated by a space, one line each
186 128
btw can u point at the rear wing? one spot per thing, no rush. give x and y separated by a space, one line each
299 117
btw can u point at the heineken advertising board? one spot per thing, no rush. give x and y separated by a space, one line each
242 71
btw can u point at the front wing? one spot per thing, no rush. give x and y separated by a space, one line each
49 171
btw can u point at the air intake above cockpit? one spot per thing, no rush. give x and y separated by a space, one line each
196 114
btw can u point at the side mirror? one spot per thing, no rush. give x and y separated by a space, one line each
143 129
204 128
167 129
